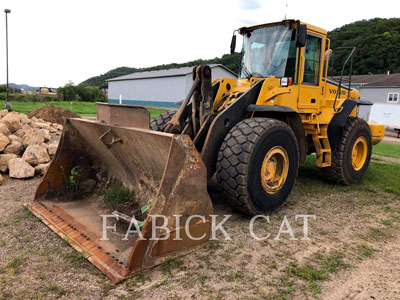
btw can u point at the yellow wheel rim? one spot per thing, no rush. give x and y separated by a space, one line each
359 153
274 169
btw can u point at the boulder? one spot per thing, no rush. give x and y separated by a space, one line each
59 127
52 148
35 137
14 147
3 113
46 134
4 141
19 168
1 179
35 155
40 125
26 127
4 159
23 119
20 133
14 138
41 169
13 121
32 137
4 129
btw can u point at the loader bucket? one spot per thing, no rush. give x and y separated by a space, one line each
159 166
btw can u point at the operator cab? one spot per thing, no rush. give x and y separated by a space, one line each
274 50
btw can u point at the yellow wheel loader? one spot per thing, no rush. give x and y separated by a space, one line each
251 133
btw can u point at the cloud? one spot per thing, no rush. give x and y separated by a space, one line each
250 4
247 22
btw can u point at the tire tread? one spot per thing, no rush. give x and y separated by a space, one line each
336 171
158 122
234 158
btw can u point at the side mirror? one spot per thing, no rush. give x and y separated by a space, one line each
233 44
301 35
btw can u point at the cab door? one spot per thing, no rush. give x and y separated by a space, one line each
310 85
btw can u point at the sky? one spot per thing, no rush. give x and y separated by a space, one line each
54 42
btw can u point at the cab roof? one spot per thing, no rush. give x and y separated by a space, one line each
291 21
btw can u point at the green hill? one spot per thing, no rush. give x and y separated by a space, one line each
376 41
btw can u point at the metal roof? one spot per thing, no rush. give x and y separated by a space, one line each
392 80
164 73
373 80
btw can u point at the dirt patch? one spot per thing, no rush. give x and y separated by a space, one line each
386 159
32 254
391 137
373 279
352 252
52 114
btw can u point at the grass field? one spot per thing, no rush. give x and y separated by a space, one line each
380 178
386 149
80 108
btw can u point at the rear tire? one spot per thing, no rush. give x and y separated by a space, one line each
257 165
351 159
158 122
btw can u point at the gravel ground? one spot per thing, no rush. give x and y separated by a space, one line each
391 137
353 253
386 159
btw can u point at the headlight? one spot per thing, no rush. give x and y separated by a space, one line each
286 81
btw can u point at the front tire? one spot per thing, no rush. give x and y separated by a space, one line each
158 122
351 159
257 165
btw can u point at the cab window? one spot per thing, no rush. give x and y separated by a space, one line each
312 64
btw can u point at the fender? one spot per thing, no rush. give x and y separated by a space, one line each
274 108
289 116
336 126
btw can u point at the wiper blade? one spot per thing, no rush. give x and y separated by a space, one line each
246 71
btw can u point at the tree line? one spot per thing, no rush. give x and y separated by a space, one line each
68 92
377 41
81 92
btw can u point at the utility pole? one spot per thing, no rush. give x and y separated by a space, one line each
8 104
286 11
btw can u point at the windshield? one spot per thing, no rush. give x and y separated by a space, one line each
269 51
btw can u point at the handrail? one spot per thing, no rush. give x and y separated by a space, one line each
350 57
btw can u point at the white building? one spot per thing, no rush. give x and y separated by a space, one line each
162 88
383 91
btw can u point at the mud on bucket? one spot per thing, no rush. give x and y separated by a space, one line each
101 169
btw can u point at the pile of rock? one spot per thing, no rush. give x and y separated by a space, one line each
27 145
